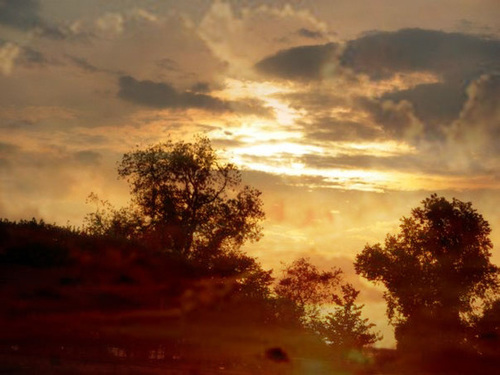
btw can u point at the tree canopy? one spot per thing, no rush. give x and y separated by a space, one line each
435 269
308 287
312 292
186 200
345 328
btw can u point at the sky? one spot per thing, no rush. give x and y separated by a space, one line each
346 114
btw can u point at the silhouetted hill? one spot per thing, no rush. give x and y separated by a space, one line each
74 303
69 298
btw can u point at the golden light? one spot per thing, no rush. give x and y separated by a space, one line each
380 149
280 145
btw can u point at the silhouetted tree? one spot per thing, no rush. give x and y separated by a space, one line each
345 329
487 329
434 270
187 201
309 290
308 287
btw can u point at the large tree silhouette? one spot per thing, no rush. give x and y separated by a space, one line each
435 270
184 200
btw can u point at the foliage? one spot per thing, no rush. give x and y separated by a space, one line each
307 290
125 222
34 243
487 329
191 207
189 201
345 328
435 269
184 200
307 287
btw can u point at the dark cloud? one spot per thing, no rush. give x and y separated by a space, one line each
397 119
25 15
321 125
163 95
20 14
484 99
332 129
83 64
425 111
479 124
450 55
433 103
428 111
311 34
32 56
58 33
303 63
201 87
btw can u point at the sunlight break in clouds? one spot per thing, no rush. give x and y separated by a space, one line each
277 146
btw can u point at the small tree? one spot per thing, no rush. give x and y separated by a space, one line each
434 270
310 290
307 287
189 201
345 329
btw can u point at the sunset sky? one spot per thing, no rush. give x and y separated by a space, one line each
344 113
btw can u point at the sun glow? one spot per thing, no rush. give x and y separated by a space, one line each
280 150
380 149
267 92
235 89
357 179
280 145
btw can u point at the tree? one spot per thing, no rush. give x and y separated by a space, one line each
191 202
309 290
435 270
125 222
345 329
487 329
307 287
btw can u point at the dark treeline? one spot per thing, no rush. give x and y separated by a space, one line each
163 285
